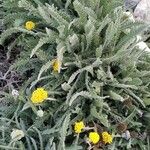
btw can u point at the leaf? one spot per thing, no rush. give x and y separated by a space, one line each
50 131
104 22
135 97
56 15
72 147
26 106
110 32
44 68
63 131
99 51
99 116
27 6
89 30
11 31
80 10
34 143
115 96
130 36
41 42
87 68
146 101
51 145
65 86
136 81
68 2
43 12
51 33
84 94
40 138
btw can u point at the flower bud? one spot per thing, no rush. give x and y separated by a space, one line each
126 135
15 93
17 134
40 113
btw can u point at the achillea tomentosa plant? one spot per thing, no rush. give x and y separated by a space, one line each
88 84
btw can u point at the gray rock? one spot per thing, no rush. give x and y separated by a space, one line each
131 4
142 11
140 8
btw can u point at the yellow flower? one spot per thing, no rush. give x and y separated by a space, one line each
56 65
94 137
39 95
107 138
79 126
29 25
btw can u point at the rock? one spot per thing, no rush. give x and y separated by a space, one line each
131 4
142 11
140 8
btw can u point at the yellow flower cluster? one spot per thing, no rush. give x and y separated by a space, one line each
56 65
94 137
39 95
29 25
107 138
78 127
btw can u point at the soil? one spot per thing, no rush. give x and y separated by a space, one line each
9 79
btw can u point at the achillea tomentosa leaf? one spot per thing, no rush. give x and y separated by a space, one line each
130 36
89 30
81 10
116 96
103 24
147 101
11 31
51 144
87 68
41 42
63 131
84 94
43 12
28 6
44 68
135 97
103 119
55 14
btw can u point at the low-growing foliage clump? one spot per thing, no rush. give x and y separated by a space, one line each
86 85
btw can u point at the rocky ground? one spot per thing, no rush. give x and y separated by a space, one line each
9 79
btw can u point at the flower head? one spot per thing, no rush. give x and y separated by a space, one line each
29 25
126 135
40 113
17 134
56 65
107 138
39 95
94 137
79 126
15 93
128 15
